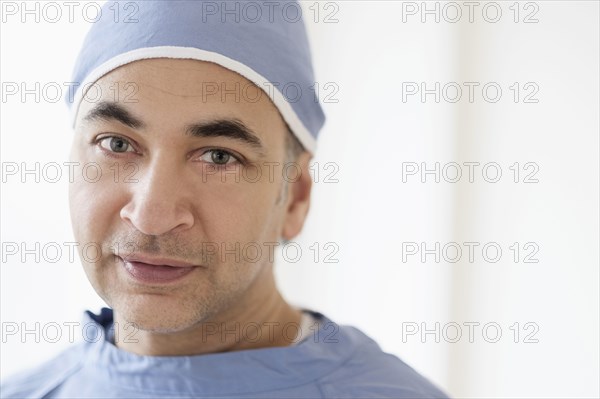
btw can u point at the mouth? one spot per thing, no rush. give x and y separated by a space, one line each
156 270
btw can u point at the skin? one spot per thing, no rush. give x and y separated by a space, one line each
175 206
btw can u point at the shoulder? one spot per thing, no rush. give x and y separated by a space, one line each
370 372
44 378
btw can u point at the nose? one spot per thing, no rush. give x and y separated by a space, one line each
159 201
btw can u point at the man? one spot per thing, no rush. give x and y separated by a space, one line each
191 129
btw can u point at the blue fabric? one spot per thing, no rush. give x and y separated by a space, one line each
270 40
352 367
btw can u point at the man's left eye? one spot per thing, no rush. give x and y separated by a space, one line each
218 157
116 144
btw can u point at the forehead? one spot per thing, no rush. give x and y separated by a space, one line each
177 75
170 92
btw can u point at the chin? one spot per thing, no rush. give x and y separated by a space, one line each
156 313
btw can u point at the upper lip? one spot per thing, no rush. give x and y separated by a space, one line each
155 260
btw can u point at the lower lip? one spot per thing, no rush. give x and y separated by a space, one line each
146 273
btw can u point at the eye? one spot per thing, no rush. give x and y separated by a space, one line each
218 157
115 144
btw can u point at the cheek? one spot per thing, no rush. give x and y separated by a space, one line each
244 211
94 205
94 208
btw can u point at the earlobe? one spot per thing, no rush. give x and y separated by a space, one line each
298 202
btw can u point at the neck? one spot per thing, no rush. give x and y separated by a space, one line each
268 322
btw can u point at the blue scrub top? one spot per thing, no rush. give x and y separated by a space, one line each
337 361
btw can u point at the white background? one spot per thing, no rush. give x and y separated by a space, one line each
370 132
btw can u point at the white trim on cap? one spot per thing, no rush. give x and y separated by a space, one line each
286 110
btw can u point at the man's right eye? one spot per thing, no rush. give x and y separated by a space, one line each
115 144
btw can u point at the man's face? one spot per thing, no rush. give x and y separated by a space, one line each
179 183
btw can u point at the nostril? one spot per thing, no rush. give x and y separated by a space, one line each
155 219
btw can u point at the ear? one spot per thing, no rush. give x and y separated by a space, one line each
298 198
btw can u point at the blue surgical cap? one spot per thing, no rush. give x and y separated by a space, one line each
263 41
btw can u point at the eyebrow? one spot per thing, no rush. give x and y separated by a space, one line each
113 111
231 128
